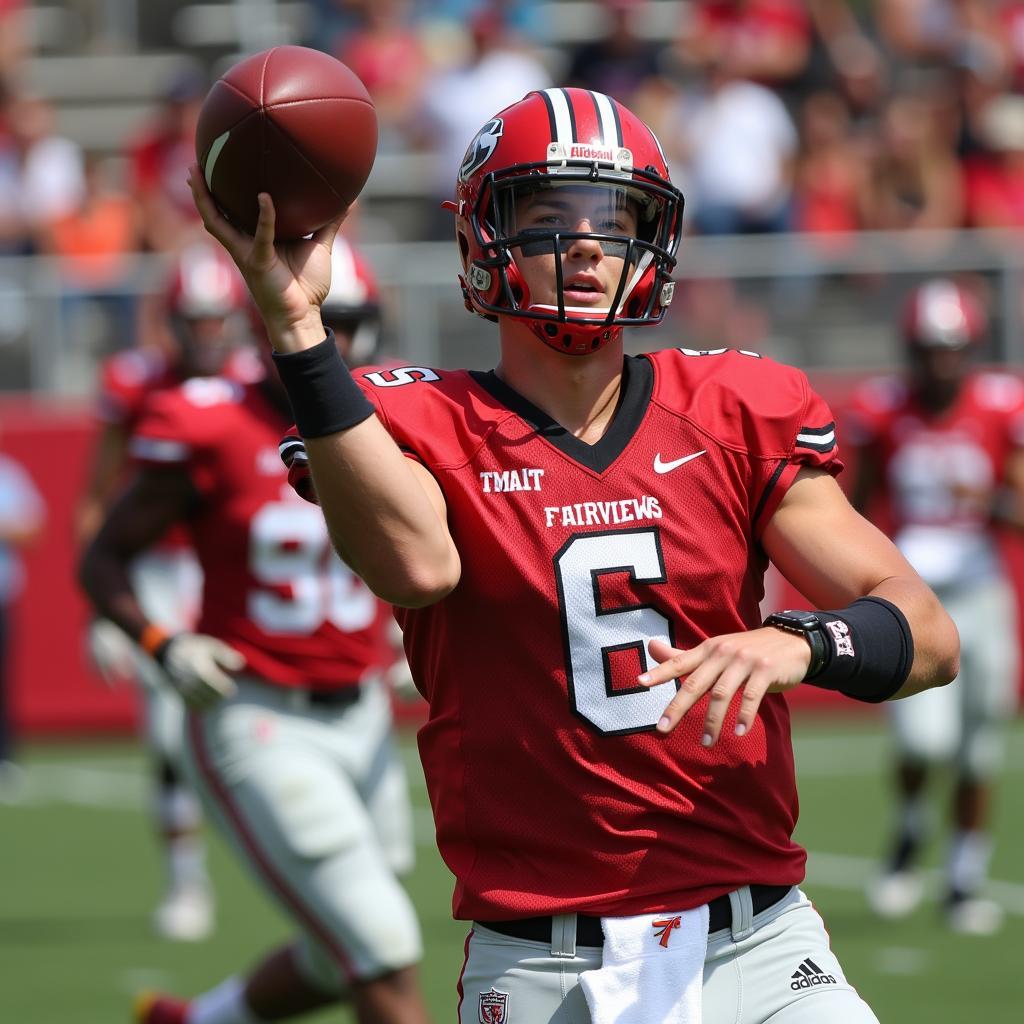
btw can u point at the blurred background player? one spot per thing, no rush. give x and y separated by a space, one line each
288 740
942 446
22 515
203 304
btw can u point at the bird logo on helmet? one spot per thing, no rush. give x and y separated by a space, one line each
574 139
943 314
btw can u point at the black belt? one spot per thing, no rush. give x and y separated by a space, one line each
334 698
588 929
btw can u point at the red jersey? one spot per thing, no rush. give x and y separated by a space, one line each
128 378
272 586
938 471
551 790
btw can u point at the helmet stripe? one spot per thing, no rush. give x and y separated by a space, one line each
563 126
611 130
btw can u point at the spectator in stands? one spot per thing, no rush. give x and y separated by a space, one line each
93 243
995 180
766 41
21 518
456 102
832 172
13 43
159 158
916 180
620 60
739 143
388 54
41 176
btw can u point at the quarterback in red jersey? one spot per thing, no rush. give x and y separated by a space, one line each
203 301
577 542
288 738
943 446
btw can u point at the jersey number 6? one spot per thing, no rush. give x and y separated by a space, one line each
593 634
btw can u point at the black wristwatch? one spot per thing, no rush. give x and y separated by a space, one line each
811 628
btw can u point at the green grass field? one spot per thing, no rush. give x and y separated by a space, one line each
78 877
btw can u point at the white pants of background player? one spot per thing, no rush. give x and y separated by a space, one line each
964 722
168 583
314 799
754 972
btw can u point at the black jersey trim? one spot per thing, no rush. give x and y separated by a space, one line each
769 487
635 399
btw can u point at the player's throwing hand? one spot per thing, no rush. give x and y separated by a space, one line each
287 280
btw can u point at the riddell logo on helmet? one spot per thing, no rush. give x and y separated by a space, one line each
579 152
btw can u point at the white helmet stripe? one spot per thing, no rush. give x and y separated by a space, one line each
558 104
609 124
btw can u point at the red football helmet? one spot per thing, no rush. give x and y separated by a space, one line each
204 283
581 140
205 300
352 306
943 314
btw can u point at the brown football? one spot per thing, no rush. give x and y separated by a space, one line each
291 121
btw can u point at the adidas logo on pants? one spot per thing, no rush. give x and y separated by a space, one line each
809 975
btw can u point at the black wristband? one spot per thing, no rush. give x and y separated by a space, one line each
870 650
324 397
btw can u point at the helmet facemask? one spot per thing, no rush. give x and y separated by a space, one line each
533 210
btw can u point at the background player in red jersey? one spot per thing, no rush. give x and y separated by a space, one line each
578 541
942 445
288 737
203 302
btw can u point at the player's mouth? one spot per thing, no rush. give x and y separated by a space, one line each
583 290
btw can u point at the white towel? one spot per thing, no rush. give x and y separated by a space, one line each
652 969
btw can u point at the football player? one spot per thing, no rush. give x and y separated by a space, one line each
577 541
288 735
942 445
203 302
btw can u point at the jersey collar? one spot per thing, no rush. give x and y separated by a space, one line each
637 387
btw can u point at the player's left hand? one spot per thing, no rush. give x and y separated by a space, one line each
760 661
197 666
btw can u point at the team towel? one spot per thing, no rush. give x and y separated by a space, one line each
652 969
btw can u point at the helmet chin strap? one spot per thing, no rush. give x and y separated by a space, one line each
574 339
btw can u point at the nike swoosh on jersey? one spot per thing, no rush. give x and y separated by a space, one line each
667 467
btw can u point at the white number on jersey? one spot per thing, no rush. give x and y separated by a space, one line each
592 633
402 375
305 584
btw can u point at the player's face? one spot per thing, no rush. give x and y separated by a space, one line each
591 270
206 342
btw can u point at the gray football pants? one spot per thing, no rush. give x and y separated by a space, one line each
774 967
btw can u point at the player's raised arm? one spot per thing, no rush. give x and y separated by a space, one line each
386 516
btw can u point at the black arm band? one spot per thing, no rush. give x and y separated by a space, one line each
870 650
323 395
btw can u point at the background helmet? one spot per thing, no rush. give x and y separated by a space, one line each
549 139
352 306
203 283
943 314
205 301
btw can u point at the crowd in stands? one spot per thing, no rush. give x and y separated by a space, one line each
822 116
825 116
